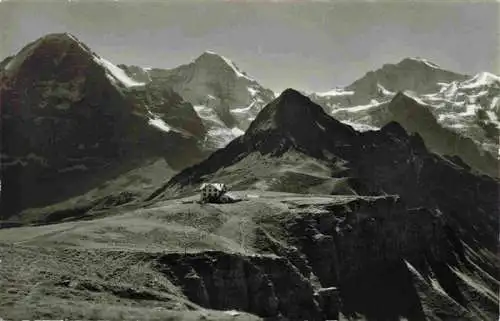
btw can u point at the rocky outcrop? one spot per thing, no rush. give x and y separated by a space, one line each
258 284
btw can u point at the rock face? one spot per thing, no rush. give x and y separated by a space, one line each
71 120
258 284
450 212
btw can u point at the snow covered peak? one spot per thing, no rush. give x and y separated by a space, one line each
211 59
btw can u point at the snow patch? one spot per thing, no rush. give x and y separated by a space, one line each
385 91
222 136
495 103
207 114
335 92
160 124
359 127
493 117
413 96
237 132
242 110
252 91
470 110
360 107
233 313
117 73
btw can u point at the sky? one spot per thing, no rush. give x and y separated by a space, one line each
307 45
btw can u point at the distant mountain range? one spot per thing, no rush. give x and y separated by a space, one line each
465 108
70 115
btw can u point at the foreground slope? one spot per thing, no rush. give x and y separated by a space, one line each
71 121
274 255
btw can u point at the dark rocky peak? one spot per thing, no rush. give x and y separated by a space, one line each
49 52
62 60
296 114
293 121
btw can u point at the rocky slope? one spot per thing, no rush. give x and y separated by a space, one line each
72 120
455 210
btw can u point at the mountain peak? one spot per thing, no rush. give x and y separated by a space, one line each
208 54
46 48
291 94
420 61
60 40
415 74
291 108
296 119
213 61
